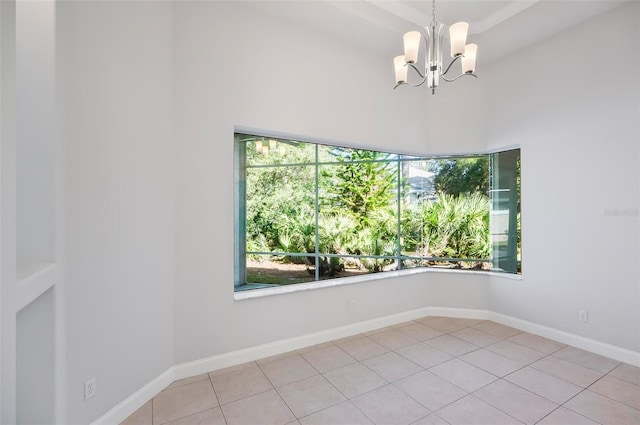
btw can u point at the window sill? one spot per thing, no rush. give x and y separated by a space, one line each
287 289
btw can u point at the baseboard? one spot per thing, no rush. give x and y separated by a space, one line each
597 347
197 367
136 400
233 358
463 313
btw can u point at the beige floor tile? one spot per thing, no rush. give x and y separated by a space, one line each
587 359
537 343
424 355
517 352
142 416
431 419
363 348
347 339
266 408
231 369
208 417
377 331
463 375
497 329
315 347
240 384
619 390
354 379
447 324
328 358
183 401
418 331
523 405
310 395
452 345
492 362
430 390
392 339
276 357
563 416
570 372
471 411
626 372
547 386
389 405
476 337
186 381
392 366
286 371
341 414
602 409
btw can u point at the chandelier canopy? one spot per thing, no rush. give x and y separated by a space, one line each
433 70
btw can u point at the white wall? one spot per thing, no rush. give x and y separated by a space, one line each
572 103
115 73
234 66
152 92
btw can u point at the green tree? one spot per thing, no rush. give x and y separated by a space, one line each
463 175
362 184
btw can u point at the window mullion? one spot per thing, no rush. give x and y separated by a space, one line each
317 208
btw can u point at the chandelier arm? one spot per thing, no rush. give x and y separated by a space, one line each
410 84
415 68
461 75
455 59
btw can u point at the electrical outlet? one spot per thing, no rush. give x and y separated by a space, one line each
90 388
583 315
352 305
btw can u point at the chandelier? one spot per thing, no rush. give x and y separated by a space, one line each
433 69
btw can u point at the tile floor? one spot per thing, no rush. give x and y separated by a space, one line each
435 370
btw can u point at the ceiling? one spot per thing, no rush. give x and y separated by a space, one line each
499 27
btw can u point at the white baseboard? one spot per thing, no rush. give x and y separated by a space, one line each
136 400
197 367
597 347
463 313
233 358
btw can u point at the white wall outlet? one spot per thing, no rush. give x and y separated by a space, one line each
352 305
90 388
583 315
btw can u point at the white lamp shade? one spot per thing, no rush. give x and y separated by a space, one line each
458 37
272 144
401 69
469 58
411 45
259 146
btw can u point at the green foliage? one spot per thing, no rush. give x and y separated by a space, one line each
361 185
358 209
457 227
463 175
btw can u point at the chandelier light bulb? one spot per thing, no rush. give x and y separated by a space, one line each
401 69
469 58
458 37
411 45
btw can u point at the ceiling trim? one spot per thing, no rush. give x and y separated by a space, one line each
412 15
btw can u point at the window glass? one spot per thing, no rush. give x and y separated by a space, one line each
308 212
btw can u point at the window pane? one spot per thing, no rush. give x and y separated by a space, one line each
505 208
358 207
280 270
446 212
